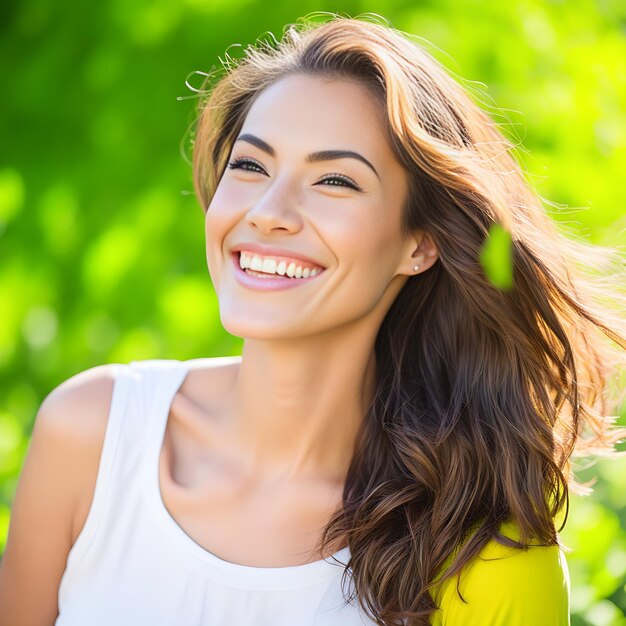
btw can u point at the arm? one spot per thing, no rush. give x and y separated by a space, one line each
53 494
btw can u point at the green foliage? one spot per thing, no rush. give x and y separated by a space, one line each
102 242
496 258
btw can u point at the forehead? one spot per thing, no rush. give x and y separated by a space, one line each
315 110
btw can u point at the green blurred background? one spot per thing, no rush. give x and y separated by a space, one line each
102 241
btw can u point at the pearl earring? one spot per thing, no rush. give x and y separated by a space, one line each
415 268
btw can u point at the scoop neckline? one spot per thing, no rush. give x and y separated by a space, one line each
234 574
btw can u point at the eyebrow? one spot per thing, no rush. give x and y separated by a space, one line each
322 155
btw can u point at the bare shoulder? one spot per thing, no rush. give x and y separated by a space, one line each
215 370
77 411
78 408
209 379
56 484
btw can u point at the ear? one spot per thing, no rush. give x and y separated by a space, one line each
421 252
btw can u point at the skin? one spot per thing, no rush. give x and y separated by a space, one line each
307 370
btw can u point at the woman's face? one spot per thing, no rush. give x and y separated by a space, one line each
340 211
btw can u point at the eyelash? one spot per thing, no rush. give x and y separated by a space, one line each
239 163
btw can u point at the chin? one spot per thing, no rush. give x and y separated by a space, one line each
247 326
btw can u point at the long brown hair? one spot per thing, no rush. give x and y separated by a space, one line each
483 394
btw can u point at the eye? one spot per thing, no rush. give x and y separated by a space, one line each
243 163
250 165
340 180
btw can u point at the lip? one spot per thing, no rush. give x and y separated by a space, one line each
267 284
275 251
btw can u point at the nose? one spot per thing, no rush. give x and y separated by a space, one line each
275 209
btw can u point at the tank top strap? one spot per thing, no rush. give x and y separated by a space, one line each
142 394
157 381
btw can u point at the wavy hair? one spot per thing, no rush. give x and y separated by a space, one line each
482 394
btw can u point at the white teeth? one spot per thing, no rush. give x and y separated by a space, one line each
271 266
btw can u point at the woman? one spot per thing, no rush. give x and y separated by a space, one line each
395 421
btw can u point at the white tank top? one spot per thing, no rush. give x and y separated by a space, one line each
133 565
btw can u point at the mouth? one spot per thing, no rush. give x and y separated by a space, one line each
262 280
303 275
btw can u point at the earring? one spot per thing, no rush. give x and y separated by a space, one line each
415 268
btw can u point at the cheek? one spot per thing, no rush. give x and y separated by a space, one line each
385 233
222 211
372 237
233 195
220 218
379 249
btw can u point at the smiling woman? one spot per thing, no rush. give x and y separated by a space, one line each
395 421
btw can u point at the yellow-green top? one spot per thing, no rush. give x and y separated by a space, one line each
517 588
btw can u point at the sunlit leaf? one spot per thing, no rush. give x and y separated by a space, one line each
495 257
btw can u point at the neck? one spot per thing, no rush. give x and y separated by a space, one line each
296 407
